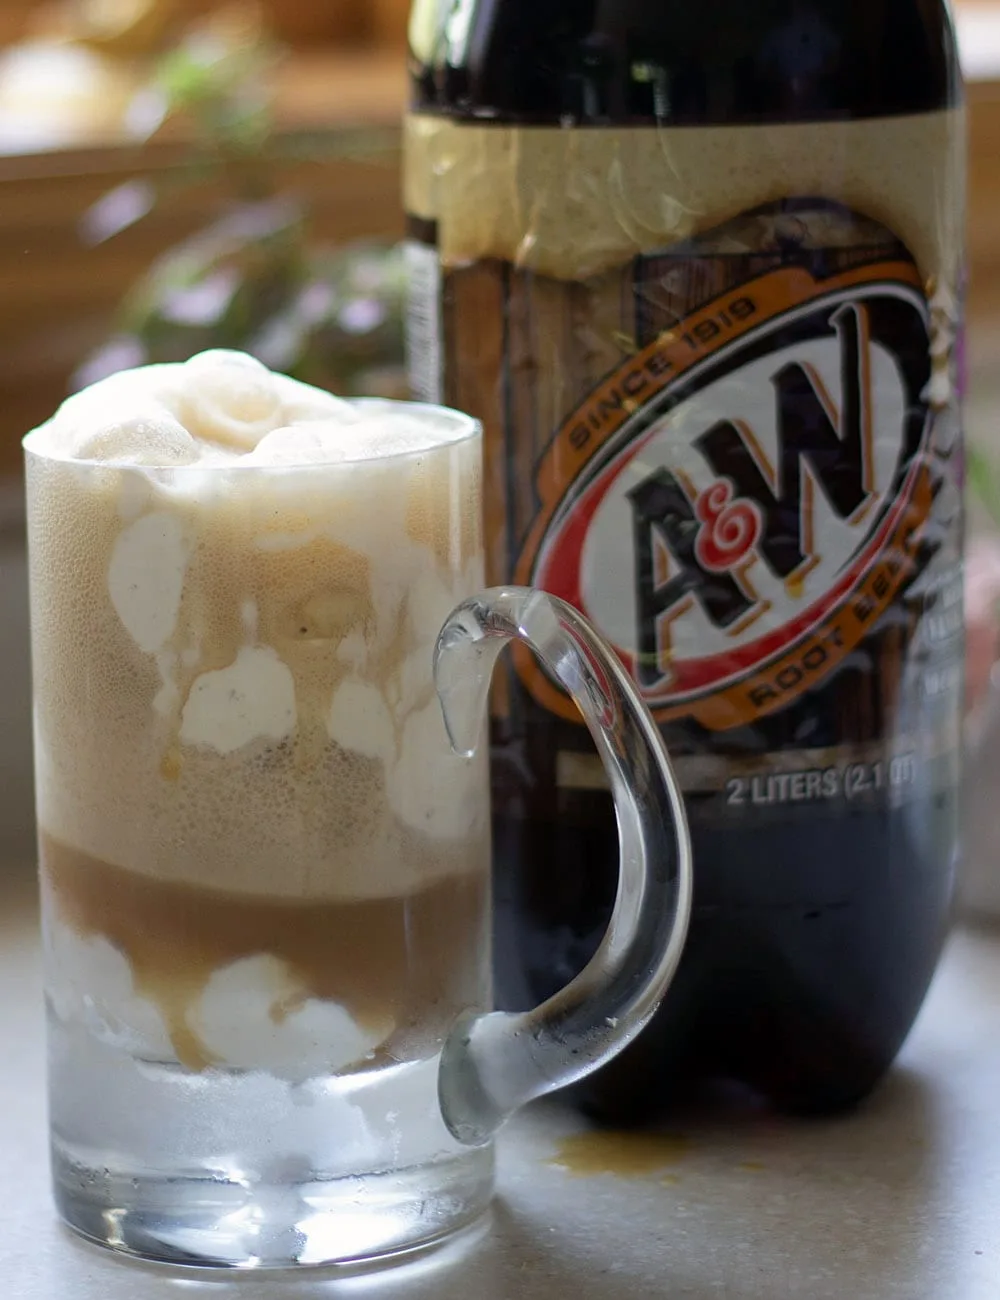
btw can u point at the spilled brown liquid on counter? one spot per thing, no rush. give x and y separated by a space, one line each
393 963
625 1155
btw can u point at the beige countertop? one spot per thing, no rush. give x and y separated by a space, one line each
899 1202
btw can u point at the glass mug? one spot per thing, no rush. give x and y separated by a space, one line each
264 848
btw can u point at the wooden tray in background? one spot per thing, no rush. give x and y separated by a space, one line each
58 299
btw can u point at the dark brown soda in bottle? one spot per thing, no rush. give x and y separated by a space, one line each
698 269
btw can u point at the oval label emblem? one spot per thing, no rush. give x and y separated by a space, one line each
738 504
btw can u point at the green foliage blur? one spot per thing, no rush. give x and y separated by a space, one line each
254 279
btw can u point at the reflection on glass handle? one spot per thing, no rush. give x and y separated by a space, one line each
494 1064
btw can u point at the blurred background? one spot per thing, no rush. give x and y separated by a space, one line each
176 174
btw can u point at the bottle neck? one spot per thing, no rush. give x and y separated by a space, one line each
673 63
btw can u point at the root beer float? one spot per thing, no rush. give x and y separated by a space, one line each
258 850
698 269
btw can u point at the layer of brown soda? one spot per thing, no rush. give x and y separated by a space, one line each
414 961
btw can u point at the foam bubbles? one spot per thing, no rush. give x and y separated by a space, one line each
229 398
384 431
225 407
317 443
151 438
334 441
301 403
128 418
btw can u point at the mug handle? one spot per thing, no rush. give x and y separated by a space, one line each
494 1064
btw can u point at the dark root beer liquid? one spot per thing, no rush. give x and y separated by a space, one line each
698 269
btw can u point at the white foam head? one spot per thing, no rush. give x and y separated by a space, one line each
223 407
238 581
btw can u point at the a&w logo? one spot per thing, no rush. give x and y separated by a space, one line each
738 527
729 533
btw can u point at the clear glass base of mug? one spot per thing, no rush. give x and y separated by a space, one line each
244 1170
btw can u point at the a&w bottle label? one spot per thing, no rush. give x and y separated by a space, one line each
739 504
756 503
